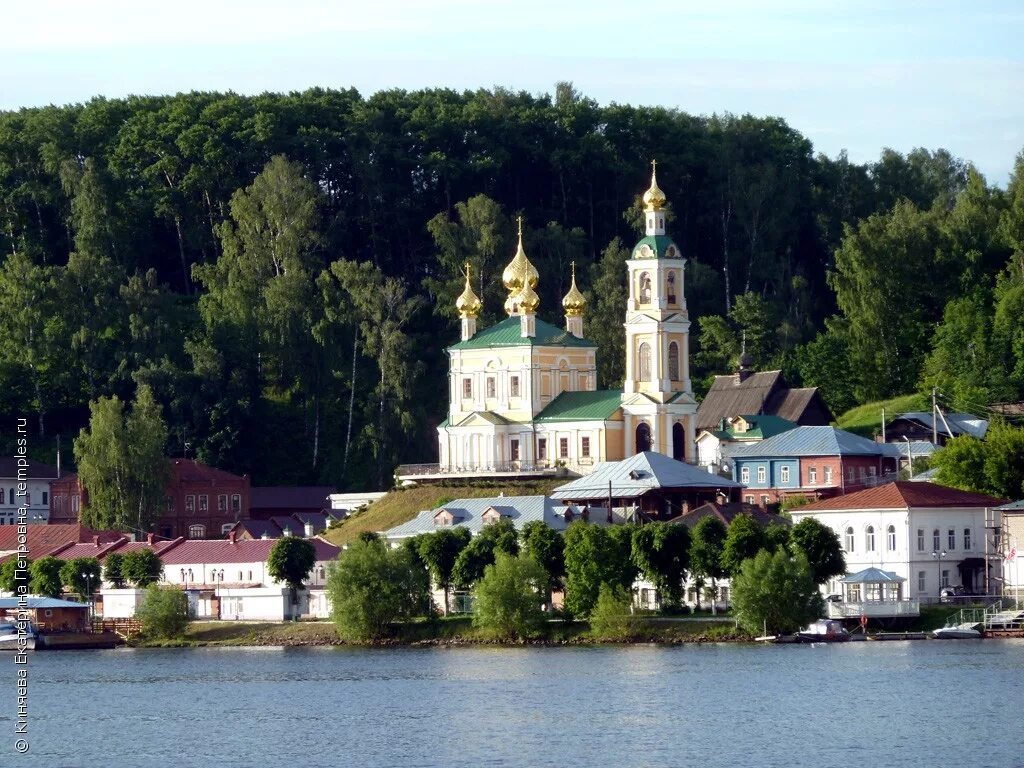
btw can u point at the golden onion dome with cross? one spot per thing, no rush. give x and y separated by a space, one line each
527 300
654 198
574 301
468 304
519 271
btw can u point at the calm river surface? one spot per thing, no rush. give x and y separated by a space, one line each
954 703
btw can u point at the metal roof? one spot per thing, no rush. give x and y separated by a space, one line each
873 576
812 441
1013 506
34 602
508 333
468 513
596 405
959 423
901 494
191 551
637 475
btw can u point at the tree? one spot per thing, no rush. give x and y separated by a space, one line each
606 297
45 577
509 597
706 548
776 593
776 536
547 548
439 551
163 612
142 568
824 362
499 536
121 463
14 579
371 587
595 555
820 545
291 560
82 575
661 552
994 466
612 618
113 570
744 538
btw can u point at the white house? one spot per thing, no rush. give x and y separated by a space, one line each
928 534
35 495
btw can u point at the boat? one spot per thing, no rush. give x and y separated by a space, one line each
9 637
824 631
968 631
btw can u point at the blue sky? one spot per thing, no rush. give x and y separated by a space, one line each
854 75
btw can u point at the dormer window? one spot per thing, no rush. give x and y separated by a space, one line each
443 518
490 515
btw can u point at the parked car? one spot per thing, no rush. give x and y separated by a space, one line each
950 594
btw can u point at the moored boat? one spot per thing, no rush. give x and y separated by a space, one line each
824 631
968 631
10 637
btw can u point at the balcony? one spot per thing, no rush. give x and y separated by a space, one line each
874 609
509 469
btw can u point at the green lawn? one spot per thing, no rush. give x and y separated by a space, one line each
866 419
401 505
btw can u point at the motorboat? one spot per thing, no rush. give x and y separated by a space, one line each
967 631
9 637
824 631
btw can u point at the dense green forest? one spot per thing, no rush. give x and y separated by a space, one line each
280 269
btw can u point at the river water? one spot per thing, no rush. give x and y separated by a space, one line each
953 703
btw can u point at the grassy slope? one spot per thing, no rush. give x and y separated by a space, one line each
403 504
866 419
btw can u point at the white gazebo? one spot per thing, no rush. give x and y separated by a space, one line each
874 593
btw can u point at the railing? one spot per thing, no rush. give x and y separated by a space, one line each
418 470
874 609
126 628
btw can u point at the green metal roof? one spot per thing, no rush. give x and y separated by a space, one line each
598 405
507 333
762 427
660 245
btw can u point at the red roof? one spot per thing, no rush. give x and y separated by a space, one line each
240 551
903 494
46 539
191 471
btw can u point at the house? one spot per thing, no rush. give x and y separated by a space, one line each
199 501
43 540
1011 548
344 504
49 614
737 430
266 502
656 485
764 393
927 534
923 425
302 524
36 477
810 462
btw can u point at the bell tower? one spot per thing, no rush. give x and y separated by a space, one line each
657 399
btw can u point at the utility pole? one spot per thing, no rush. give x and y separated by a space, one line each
883 425
935 420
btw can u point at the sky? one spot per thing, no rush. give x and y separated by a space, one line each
858 76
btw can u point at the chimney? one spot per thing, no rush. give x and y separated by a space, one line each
308 528
96 540
743 372
151 538
232 536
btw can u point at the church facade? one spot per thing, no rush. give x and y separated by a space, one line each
523 393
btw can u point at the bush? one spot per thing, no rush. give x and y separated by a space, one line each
370 587
509 597
142 568
82 575
45 577
612 618
163 612
113 570
776 592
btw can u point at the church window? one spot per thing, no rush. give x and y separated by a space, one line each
514 453
643 437
671 280
467 388
673 361
585 447
542 449
645 288
645 362
490 387
514 386
563 447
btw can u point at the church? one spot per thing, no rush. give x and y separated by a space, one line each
523 393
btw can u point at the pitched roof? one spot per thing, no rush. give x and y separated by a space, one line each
597 405
812 441
36 602
873 576
45 539
791 403
508 333
311 497
192 551
35 470
726 513
760 427
902 494
760 393
191 471
468 514
637 475
1013 506
959 423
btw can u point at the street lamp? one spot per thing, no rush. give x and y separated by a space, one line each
938 558
88 588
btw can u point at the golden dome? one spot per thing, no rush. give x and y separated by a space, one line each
527 299
520 266
468 304
654 198
574 301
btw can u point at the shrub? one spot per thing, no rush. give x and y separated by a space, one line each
163 612
594 556
142 568
776 592
509 597
113 570
82 575
612 618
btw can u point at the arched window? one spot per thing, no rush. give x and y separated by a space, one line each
673 361
936 540
643 437
869 538
891 535
671 287
190 574
196 531
183 574
645 288
645 362
678 446
849 540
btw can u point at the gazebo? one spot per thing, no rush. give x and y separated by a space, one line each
873 593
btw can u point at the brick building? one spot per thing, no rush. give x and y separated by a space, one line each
199 502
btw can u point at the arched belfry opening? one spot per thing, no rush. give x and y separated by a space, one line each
643 437
678 442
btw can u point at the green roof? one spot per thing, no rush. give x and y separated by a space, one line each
660 245
507 333
598 405
762 427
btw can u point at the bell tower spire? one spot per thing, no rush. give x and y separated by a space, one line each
654 205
